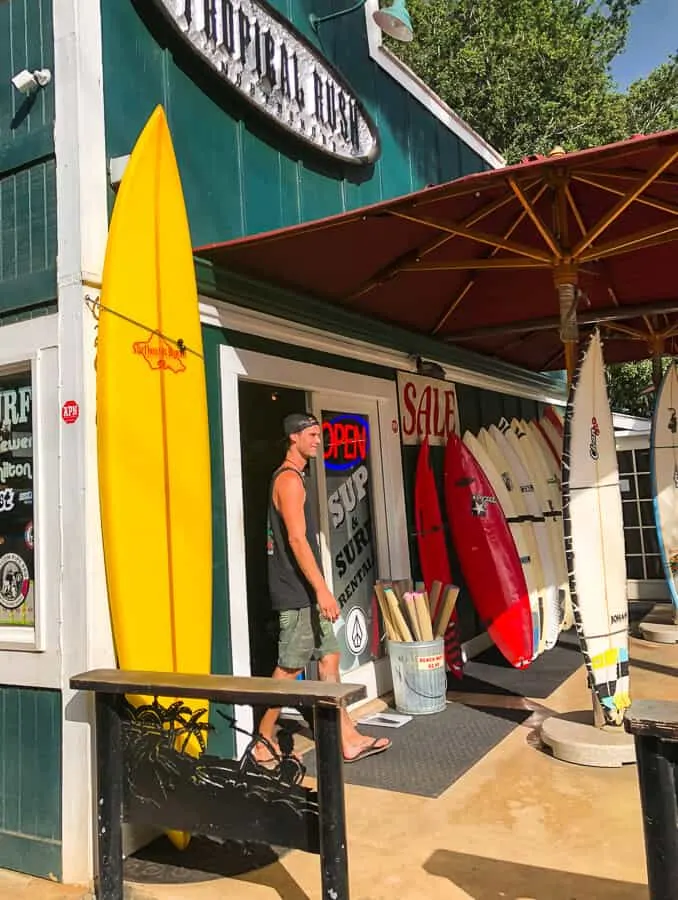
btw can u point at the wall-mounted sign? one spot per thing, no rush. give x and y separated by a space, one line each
428 408
17 541
278 71
346 442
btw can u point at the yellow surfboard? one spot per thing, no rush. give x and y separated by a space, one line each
152 431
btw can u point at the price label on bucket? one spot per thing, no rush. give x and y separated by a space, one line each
427 663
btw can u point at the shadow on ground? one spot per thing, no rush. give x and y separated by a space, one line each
206 860
491 879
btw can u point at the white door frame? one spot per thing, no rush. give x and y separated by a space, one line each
345 387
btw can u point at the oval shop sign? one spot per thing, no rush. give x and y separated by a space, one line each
277 71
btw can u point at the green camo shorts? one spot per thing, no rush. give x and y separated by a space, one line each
304 635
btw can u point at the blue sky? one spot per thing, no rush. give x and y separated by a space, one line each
653 36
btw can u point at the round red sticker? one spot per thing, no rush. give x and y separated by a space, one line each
70 412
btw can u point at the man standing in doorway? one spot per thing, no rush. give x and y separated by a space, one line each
298 590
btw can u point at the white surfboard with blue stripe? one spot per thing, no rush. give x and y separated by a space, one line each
664 470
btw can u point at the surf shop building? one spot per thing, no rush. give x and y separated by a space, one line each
280 114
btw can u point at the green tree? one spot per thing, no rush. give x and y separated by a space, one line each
652 102
530 74
630 387
526 74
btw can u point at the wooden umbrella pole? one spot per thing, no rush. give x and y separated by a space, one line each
566 285
571 348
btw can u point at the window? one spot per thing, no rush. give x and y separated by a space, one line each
643 560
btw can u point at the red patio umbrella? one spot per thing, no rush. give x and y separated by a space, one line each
511 262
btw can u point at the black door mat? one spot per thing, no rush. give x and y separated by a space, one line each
430 753
203 860
490 673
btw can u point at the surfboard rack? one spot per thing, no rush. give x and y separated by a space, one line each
654 726
146 776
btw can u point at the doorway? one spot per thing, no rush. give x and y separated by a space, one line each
258 390
262 409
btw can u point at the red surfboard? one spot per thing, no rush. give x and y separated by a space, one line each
487 554
547 439
433 558
554 419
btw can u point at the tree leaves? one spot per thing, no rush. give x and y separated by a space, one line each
530 74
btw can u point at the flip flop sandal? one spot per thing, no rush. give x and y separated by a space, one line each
371 750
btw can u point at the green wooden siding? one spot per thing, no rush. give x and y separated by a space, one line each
30 781
237 175
27 168
30 719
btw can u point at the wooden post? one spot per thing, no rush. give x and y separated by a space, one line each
333 848
109 878
654 725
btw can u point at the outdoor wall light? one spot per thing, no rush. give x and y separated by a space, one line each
394 20
429 369
28 82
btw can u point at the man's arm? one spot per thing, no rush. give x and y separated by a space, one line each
290 496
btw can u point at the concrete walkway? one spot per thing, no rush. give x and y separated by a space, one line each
518 826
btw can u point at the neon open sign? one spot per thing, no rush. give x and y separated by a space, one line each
346 440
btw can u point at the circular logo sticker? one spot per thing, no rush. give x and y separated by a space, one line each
14 581
356 631
28 535
70 412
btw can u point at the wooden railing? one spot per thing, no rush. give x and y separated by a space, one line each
146 773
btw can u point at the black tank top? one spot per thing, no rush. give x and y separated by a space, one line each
287 584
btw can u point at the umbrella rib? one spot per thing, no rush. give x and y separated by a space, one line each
575 210
623 203
478 236
630 175
396 265
456 265
646 201
471 279
551 359
670 332
651 237
541 227
633 333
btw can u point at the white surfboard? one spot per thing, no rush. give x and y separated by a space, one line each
594 534
531 507
549 498
512 485
554 438
533 493
664 468
543 451
517 525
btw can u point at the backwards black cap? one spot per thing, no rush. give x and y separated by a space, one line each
296 422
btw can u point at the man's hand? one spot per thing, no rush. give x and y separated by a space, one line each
329 608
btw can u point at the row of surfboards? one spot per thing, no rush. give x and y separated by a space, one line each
534 514
503 500
521 462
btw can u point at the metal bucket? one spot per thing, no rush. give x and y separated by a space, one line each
419 679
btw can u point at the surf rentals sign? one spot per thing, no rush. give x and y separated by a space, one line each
274 68
428 409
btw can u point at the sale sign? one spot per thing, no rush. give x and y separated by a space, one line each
428 408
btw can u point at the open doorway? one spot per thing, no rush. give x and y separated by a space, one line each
262 410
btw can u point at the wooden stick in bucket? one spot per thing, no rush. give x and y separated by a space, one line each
446 609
